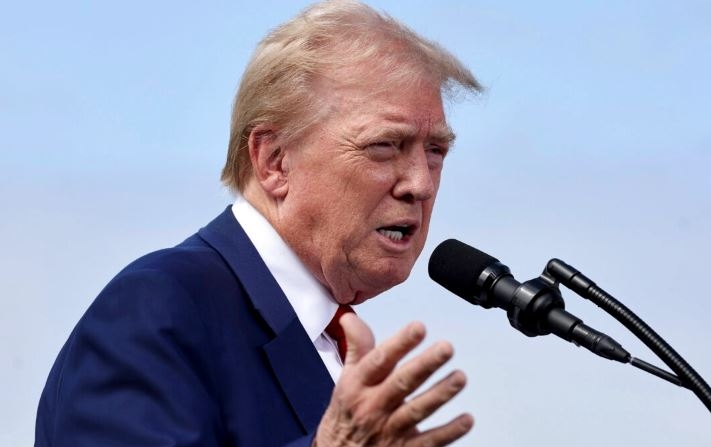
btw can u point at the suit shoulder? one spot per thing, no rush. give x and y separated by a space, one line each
191 264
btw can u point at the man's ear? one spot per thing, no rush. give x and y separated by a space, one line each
267 159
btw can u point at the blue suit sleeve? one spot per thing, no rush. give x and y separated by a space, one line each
135 372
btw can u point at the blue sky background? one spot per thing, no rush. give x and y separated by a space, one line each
593 144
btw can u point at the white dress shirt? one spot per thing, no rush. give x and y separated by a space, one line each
312 303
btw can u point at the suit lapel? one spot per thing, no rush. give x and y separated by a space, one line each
307 387
294 360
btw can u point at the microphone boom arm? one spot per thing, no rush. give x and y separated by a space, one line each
586 288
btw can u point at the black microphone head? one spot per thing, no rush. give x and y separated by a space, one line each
456 266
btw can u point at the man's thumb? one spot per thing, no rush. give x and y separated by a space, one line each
359 337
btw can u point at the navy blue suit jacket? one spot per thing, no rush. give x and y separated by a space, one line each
194 345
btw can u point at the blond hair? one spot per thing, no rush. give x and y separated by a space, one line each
277 87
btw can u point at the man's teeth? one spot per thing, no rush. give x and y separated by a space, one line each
392 234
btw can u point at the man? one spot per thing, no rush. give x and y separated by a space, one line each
337 144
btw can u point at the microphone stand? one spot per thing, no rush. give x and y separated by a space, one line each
557 271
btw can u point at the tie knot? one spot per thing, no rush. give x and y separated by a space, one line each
335 330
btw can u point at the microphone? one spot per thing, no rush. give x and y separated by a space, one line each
534 307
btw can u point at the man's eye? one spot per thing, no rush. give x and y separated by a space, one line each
437 151
385 144
435 156
382 150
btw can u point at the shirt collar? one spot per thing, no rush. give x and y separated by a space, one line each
312 303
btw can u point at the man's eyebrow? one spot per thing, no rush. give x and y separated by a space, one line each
441 132
391 131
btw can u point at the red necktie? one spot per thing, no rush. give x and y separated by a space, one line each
335 330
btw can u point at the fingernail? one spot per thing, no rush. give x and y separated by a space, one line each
466 422
445 350
457 381
417 331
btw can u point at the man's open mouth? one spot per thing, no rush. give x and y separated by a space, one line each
397 232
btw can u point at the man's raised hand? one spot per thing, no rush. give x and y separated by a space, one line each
370 405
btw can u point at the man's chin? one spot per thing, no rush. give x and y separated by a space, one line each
379 281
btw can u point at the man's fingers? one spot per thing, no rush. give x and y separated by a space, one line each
445 434
359 337
368 400
380 362
407 378
411 413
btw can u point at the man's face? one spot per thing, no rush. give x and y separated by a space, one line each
362 184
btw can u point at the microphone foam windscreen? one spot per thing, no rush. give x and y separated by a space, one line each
456 266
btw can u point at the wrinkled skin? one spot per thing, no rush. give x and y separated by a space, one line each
368 406
373 163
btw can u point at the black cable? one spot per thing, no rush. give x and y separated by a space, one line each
657 344
659 372
586 288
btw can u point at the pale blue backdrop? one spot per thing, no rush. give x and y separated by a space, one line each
593 144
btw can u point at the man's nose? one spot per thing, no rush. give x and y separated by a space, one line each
415 181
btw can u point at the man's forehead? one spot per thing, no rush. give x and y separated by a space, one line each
366 98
